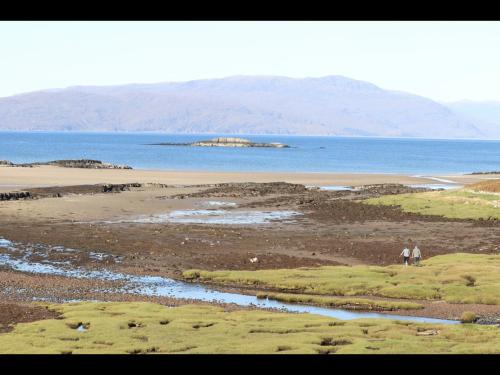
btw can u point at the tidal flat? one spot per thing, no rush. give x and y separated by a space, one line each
280 242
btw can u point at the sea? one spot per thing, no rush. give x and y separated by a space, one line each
306 153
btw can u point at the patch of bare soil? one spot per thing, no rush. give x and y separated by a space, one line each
12 313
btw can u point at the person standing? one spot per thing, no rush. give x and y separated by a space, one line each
416 255
406 255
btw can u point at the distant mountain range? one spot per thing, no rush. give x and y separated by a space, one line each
332 105
487 113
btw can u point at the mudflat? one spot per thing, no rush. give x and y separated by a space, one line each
170 222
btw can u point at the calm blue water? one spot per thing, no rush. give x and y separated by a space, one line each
309 154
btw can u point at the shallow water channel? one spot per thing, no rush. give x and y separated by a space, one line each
437 186
212 216
16 257
332 187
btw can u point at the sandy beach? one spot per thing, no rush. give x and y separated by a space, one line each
15 178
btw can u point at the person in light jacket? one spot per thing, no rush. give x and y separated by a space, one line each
406 255
416 255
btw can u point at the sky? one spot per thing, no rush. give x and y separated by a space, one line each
445 61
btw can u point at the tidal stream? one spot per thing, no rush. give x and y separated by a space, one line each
16 256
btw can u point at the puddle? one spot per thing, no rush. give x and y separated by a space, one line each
213 217
436 186
165 287
443 186
27 251
5 243
333 187
99 256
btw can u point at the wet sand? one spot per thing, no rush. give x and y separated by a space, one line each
333 228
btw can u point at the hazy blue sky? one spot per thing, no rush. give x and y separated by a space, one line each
441 60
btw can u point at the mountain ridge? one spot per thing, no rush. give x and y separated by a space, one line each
330 105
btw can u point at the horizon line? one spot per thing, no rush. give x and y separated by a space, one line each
247 134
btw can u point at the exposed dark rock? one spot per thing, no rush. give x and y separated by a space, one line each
81 163
491 172
248 189
59 191
14 196
389 189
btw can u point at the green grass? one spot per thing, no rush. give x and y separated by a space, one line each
456 278
141 327
349 303
458 204
468 317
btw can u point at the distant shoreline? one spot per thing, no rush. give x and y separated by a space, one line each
156 132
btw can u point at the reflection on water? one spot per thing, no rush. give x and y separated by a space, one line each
165 287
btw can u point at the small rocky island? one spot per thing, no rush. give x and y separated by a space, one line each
226 142
81 163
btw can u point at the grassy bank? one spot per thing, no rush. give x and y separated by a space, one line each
458 204
151 328
344 303
456 278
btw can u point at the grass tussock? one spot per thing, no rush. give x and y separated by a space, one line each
242 331
468 317
491 186
458 204
455 278
345 303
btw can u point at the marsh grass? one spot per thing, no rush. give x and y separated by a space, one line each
468 317
241 331
455 278
492 186
349 303
458 204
